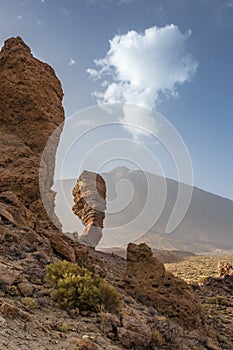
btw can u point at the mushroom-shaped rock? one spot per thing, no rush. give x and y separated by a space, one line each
90 204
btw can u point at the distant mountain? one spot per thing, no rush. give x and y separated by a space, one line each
165 256
206 227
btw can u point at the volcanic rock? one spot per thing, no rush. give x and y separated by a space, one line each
12 311
68 249
134 334
30 110
147 281
90 203
26 289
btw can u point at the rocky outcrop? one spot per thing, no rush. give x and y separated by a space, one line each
30 110
147 281
68 249
90 204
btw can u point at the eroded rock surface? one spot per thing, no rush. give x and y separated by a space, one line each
30 110
147 281
90 204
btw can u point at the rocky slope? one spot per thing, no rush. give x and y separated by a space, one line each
29 318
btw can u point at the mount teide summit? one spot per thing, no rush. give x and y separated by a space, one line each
206 227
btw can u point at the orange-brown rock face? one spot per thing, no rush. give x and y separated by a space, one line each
30 110
147 281
90 203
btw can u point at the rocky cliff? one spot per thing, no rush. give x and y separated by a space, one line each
30 110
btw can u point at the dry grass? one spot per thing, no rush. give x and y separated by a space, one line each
196 269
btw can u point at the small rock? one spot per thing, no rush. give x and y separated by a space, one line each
134 334
26 289
86 344
85 336
12 311
109 324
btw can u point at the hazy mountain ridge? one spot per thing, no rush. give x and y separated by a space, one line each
207 225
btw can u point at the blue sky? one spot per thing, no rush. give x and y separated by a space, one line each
71 34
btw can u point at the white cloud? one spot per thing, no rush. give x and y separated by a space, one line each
19 17
72 62
139 66
93 73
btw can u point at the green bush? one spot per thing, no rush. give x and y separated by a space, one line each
109 298
30 303
75 286
12 291
62 328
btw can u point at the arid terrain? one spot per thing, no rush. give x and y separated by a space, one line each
197 269
31 320
216 293
154 307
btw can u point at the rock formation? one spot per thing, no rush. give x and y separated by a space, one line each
89 197
30 110
147 281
